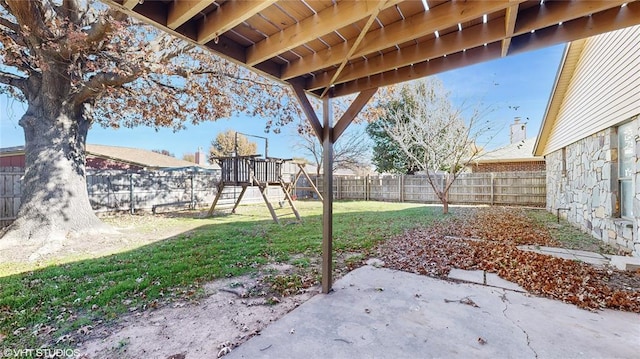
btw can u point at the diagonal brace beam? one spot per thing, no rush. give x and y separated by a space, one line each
353 111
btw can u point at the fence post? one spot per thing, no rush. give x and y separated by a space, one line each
131 204
492 184
193 200
401 193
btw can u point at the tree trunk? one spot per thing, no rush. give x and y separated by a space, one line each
55 204
445 205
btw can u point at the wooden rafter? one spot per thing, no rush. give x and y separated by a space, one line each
554 12
354 46
180 11
328 20
510 25
130 4
228 16
422 24
601 22
477 36
445 45
426 68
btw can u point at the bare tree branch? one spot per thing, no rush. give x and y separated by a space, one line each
189 72
104 27
30 16
9 25
13 80
98 82
71 10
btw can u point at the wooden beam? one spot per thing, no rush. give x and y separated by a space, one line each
228 16
342 14
443 46
510 25
354 46
231 51
552 12
180 11
425 23
353 111
130 4
605 21
419 70
307 108
327 203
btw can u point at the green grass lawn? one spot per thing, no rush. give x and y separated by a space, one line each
41 306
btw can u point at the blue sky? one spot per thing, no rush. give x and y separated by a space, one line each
523 81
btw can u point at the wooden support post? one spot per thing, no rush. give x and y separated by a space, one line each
327 203
235 205
215 200
313 185
263 191
289 199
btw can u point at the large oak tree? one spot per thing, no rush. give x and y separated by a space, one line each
77 64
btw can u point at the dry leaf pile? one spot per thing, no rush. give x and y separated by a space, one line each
486 239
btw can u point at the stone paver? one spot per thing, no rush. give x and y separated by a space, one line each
625 263
592 258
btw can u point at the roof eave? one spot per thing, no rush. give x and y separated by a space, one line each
557 95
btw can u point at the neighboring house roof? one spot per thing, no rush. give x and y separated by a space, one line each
515 152
312 170
135 156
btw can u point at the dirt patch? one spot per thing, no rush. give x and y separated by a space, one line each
225 317
129 232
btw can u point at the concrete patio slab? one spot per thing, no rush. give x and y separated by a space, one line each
579 253
560 255
550 249
473 276
599 262
484 278
495 281
381 313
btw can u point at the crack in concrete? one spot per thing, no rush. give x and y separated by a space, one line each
504 299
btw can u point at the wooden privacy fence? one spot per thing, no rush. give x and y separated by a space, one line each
147 191
500 188
121 191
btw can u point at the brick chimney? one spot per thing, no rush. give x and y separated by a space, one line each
199 157
518 131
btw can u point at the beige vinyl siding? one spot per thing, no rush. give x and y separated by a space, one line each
604 90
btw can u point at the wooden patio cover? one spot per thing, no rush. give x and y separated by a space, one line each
331 48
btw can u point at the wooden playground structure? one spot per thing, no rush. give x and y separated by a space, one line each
249 171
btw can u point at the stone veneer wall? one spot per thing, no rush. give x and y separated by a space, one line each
588 187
